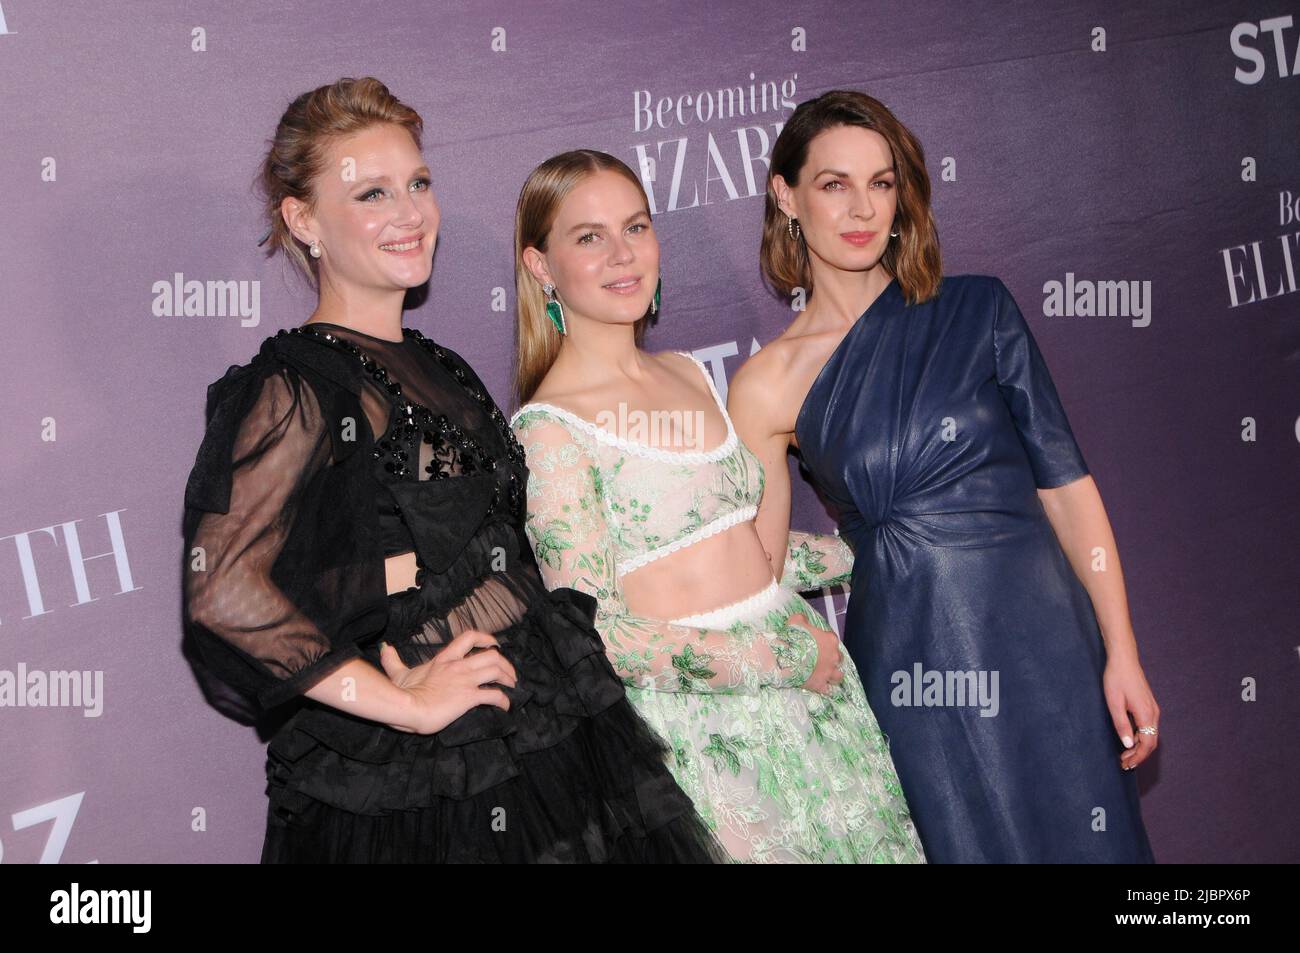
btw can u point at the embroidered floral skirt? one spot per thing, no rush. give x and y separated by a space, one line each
785 775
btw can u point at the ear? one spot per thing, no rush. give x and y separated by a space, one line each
535 262
785 199
299 219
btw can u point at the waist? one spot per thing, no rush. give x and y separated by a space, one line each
966 529
758 603
712 571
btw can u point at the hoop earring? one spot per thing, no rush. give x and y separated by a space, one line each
315 249
893 234
794 228
554 310
654 305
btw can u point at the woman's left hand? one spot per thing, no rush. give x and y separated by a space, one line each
1127 693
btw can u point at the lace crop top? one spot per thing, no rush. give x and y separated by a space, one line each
659 501
601 506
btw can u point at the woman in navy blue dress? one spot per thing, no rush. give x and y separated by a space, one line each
987 615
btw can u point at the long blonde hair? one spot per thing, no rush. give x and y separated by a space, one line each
538 342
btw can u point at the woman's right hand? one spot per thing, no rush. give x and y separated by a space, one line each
452 682
826 674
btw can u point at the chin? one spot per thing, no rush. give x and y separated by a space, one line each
411 279
632 316
864 260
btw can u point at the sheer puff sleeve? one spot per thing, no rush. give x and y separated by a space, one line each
1027 388
283 578
572 541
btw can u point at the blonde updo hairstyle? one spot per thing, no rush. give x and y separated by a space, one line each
297 154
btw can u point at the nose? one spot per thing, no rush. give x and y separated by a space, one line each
864 206
620 250
408 212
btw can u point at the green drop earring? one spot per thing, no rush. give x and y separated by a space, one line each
654 305
554 310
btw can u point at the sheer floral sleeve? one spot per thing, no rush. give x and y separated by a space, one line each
814 560
571 538
280 584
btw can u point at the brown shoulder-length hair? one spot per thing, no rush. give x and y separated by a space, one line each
297 153
547 186
912 257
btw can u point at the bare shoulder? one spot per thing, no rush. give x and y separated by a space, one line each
560 391
758 394
762 373
555 390
686 368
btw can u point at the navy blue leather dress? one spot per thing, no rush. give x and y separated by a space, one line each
930 429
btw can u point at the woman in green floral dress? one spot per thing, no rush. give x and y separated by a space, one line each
770 731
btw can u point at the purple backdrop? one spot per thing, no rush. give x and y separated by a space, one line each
1067 142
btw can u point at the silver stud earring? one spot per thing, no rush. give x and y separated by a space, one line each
315 249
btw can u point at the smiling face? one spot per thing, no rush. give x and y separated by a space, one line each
601 254
846 198
375 216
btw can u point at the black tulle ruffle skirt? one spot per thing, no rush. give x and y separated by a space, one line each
570 774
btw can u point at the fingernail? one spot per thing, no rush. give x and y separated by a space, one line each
1128 741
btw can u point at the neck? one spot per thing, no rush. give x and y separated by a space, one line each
839 296
369 310
597 353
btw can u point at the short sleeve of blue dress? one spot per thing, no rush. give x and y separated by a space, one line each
1026 386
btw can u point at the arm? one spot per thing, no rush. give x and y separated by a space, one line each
806 560
753 415
568 530
1073 506
360 689
814 560
1079 519
269 444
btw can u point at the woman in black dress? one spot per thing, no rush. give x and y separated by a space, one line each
354 543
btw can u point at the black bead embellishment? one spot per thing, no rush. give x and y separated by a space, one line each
452 444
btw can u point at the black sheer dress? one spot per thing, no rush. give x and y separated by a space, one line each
291 508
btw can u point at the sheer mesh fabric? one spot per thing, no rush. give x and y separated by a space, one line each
489 585
279 589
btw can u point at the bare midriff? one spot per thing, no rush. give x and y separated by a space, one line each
399 572
713 572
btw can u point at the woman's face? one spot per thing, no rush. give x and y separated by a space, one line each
602 254
375 216
846 198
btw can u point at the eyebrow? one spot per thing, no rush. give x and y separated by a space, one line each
422 170
845 175
594 225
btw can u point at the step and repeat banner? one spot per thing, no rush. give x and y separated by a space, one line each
1131 171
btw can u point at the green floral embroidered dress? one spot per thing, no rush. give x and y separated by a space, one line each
781 774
